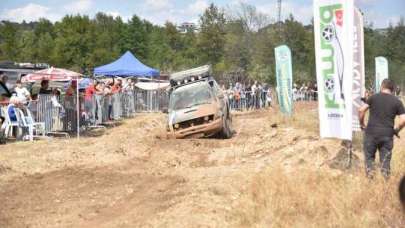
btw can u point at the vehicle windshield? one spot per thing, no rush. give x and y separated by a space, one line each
190 95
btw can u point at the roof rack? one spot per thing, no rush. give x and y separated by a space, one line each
199 71
190 76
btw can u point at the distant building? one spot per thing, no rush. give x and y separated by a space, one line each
187 27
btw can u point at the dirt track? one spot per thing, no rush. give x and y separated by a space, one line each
134 177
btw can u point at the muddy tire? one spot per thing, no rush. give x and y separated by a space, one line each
226 132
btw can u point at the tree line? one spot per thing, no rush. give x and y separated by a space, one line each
239 42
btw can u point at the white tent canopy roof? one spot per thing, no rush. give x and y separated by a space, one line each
152 85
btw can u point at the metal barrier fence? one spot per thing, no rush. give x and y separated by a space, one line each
305 96
59 113
150 100
247 100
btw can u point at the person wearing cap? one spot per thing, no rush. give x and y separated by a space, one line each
384 108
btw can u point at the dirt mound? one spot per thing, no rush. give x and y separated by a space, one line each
274 171
344 160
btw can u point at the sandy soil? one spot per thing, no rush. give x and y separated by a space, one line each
133 176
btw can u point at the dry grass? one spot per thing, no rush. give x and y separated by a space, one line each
309 198
321 197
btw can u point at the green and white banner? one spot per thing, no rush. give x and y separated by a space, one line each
284 78
381 72
359 89
333 24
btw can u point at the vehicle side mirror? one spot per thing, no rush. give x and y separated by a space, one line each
211 83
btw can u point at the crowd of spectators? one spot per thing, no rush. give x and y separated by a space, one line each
305 92
261 95
100 101
248 96
104 100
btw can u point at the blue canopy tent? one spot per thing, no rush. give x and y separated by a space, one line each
126 66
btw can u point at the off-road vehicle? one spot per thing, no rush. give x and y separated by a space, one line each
197 106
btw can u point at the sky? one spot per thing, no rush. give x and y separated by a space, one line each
378 12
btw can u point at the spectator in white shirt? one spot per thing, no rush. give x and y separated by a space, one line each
22 93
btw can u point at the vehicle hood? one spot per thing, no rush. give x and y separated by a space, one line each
182 115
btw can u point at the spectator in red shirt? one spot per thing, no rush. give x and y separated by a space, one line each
116 88
89 102
90 91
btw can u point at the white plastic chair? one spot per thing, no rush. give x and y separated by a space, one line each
28 122
37 126
3 115
8 125
23 124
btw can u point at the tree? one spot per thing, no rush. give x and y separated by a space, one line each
43 26
26 44
241 45
74 43
45 46
8 41
159 50
394 50
135 37
211 40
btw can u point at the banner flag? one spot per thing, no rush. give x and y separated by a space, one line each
333 24
284 78
359 89
381 72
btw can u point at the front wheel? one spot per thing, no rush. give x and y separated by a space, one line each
226 127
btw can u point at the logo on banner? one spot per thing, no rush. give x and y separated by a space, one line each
331 23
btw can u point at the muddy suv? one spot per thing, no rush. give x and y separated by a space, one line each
197 106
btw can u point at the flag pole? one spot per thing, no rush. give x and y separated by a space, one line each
77 109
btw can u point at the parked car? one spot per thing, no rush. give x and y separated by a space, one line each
197 106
